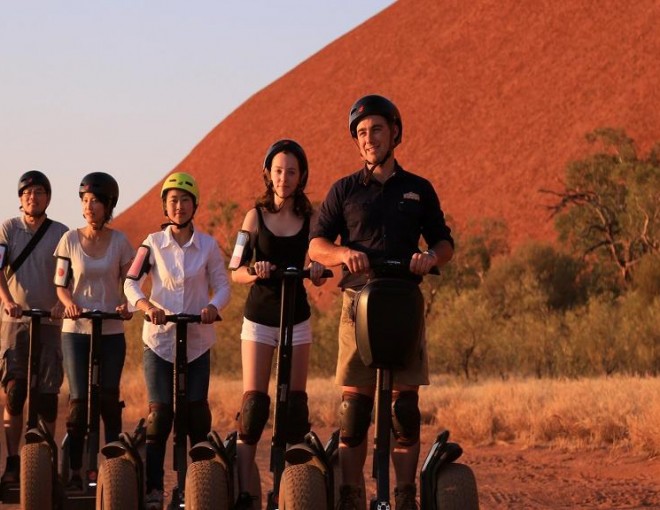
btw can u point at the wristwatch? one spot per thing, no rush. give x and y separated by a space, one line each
431 252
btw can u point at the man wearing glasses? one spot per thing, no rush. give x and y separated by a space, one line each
27 244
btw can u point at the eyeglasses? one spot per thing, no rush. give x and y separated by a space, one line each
33 192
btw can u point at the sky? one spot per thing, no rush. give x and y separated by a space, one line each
129 87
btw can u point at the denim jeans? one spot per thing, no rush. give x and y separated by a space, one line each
158 374
75 350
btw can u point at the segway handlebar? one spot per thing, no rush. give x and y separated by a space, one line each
36 312
99 314
291 271
395 267
183 317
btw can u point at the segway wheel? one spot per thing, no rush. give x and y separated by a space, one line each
302 488
456 488
118 486
207 486
36 477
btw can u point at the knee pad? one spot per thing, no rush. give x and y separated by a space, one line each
159 422
110 408
354 417
47 407
253 416
297 417
16 391
406 418
199 420
76 424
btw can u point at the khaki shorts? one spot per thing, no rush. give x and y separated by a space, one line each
15 349
351 371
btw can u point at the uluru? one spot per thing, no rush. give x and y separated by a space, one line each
496 98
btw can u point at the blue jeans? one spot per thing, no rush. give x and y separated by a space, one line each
158 374
112 352
75 350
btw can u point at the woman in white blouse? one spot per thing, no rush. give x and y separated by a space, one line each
186 267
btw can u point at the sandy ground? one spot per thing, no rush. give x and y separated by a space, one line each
515 478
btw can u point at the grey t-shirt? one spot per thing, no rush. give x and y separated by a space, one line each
32 285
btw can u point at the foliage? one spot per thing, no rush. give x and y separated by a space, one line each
609 208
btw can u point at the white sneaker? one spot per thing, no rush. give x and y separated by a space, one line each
154 500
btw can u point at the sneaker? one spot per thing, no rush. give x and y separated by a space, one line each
75 483
13 470
350 498
404 497
245 501
154 500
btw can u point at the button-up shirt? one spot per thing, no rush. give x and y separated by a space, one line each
384 220
182 278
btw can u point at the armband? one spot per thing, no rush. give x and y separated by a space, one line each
140 265
3 254
242 250
63 272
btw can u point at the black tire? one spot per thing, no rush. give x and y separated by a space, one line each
456 488
36 477
207 486
117 486
302 488
336 479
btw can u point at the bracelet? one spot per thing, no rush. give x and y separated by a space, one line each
431 252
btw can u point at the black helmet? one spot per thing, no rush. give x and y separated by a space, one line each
102 185
374 105
293 147
33 178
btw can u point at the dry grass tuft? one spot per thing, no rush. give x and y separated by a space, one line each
621 412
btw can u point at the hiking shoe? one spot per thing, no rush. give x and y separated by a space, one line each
350 498
245 501
404 497
75 483
154 500
12 472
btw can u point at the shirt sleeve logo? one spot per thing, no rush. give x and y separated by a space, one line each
411 195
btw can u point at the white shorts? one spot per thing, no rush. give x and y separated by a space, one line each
270 335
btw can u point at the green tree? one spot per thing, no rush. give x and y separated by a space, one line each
609 207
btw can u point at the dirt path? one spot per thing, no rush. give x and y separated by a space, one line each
512 478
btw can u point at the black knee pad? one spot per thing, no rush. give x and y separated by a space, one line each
297 417
253 416
110 408
159 422
406 418
16 391
47 407
354 417
76 423
199 420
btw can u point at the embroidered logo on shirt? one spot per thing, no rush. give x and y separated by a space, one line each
411 195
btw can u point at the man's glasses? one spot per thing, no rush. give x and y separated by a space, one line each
33 192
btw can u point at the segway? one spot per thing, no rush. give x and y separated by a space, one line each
37 459
72 499
389 323
203 484
302 483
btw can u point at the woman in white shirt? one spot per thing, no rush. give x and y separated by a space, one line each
186 266
93 261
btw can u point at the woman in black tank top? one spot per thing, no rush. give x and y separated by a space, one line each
278 226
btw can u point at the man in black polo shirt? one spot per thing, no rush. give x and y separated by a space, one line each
378 212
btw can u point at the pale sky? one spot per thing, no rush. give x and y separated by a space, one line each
130 87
